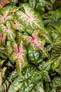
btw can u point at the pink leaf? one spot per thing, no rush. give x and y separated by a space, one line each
3 2
35 41
20 47
34 35
15 48
28 38
1 37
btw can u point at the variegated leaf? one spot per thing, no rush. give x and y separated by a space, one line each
46 35
12 9
2 38
3 2
17 26
36 42
4 17
18 37
19 56
30 18
2 72
8 31
9 48
29 31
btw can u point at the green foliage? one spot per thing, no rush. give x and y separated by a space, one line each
56 82
33 56
3 53
8 81
2 72
13 2
40 5
30 47
26 83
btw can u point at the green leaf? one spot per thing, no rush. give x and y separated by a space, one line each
56 82
33 56
45 76
32 3
26 82
11 9
52 1
1 63
47 89
2 72
38 87
9 48
13 2
15 85
3 53
55 63
46 35
53 90
45 65
24 1
9 79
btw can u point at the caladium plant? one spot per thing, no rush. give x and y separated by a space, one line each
2 71
2 38
4 16
36 42
3 2
35 51
29 18
19 56
46 35
17 26
8 31
11 9
8 47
